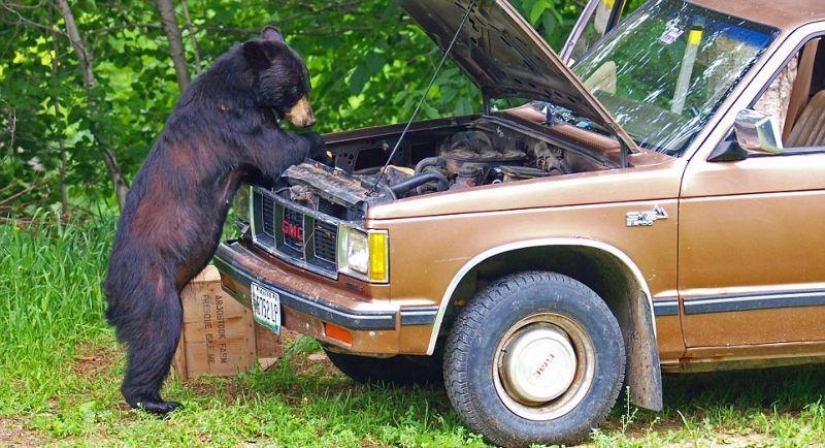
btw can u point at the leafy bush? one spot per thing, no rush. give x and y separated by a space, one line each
369 62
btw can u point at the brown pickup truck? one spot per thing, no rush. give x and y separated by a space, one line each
657 206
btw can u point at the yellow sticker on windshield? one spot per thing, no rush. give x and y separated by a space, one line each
694 37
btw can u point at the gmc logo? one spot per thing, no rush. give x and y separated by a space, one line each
292 230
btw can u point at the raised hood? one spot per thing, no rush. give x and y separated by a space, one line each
505 57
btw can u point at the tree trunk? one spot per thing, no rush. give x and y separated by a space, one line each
117 176
77 43
173 34
64 197
195 48
89 82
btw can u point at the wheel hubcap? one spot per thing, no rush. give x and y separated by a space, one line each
544 366
538 365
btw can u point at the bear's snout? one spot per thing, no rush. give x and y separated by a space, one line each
301 113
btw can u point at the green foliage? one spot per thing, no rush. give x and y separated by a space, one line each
369 63
372 66
51 272
553 19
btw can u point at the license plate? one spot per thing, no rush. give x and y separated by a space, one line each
266 307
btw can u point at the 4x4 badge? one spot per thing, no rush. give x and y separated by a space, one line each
636 219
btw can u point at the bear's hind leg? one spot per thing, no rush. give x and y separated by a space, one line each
151 345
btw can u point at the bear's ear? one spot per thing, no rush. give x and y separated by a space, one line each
272 33
256 55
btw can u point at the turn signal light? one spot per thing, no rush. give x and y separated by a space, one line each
378 257
338 333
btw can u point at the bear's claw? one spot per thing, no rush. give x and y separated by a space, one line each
158 407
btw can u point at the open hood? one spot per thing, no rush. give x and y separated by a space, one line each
505 57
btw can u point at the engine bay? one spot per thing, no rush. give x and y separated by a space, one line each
437 156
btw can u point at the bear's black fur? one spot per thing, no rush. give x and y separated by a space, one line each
222 132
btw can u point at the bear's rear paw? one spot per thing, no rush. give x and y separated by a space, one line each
158 407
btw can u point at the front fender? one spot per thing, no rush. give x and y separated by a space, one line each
628 297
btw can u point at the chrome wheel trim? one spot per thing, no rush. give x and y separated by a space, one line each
543 366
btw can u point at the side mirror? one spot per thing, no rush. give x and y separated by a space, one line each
757 132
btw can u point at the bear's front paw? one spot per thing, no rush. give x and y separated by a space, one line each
318 149
158 407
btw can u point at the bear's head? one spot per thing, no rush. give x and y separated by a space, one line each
282 77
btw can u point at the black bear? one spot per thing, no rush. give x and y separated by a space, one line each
222 131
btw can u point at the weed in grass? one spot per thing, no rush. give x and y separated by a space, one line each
689 427
630 411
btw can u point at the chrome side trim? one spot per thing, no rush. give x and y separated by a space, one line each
666 307
544 242
732 303
424 315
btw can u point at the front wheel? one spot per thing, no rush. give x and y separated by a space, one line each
536 357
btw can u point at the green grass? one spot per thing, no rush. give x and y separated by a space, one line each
60 371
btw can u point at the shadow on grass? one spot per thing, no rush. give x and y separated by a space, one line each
737 408
299 380
780 388
721 403
304 401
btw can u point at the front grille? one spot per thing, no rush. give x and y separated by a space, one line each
292 229
326 241
299 236
268 210
326 207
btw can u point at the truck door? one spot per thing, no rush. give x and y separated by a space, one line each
752 234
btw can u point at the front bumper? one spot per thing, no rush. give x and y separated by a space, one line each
309 303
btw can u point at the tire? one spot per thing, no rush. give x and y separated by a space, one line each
399 370
535 357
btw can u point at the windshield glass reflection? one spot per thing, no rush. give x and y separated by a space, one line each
667 68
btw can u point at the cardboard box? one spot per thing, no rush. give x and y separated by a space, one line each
219 337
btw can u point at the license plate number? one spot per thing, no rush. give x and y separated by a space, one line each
266 307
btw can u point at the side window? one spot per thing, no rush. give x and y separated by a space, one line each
775 101
795 98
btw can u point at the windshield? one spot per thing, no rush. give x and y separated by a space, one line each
664 71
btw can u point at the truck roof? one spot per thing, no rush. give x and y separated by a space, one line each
786 15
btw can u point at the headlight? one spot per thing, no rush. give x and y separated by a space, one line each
242 203
363 255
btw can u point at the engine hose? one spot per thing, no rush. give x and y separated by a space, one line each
427 162
419 180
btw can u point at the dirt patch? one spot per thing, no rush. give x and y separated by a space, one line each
94 360
718 438
735 441
13 433
314 364
313 373
226 388
369 443
638 428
